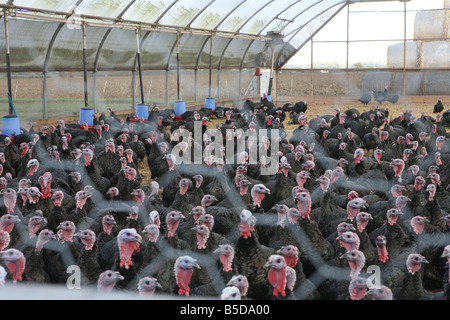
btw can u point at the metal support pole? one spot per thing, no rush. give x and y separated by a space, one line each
312 66
8 63
404 48
178 66
94 86
195 84
348 37
141 83
269 90
218 83
167 87
86 104
240 83
133 87
44 94
210 64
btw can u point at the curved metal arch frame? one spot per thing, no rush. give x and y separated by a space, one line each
303 11
210 38
251 42
315 16
262 29
47 58
201 48
277 15
240 28
162 14
216 28
265 26
342 5
105 36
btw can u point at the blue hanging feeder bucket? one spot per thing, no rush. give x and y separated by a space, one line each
142 111
86 115
10 124
179 108
210 103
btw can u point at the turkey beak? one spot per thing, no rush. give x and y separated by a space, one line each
343 256
425 260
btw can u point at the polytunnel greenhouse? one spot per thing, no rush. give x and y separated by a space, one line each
225 150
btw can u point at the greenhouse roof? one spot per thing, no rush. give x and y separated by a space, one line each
49 35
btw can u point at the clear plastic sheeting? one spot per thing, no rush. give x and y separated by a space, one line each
183 12
192 48
28 45
117 50
51 30
67 50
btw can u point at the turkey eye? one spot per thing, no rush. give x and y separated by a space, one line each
109 275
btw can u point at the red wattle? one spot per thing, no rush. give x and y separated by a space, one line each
277 278
127 250
183 279
382 253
